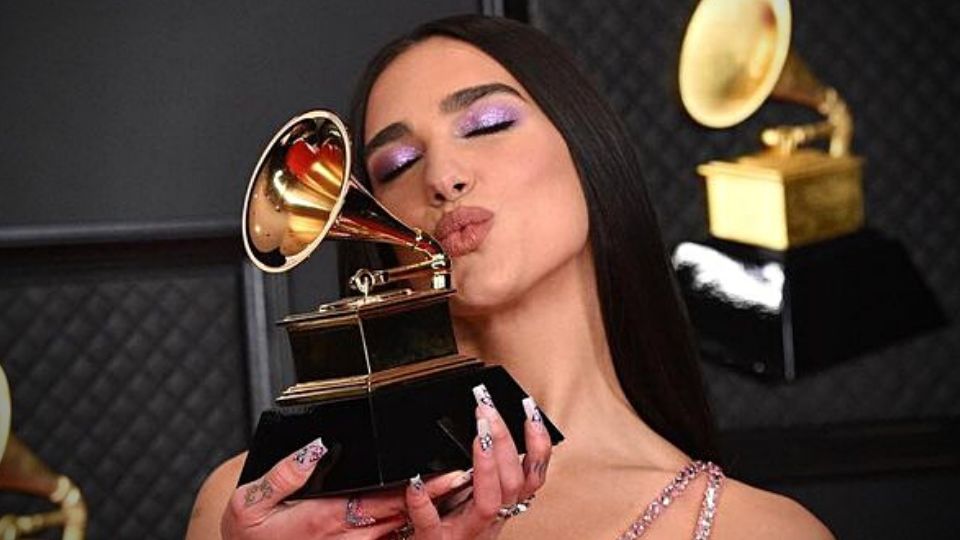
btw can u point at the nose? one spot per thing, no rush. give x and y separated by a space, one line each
450 187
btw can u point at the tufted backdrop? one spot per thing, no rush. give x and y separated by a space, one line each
896 65
128 373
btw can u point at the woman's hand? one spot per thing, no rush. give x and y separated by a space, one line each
500 483
257 510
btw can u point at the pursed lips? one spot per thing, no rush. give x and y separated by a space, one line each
463 229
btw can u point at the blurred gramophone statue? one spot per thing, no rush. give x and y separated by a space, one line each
374 372
23 472
791 279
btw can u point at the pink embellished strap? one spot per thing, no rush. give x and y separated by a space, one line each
674 489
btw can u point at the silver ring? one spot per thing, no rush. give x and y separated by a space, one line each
354 516
512 510
405 532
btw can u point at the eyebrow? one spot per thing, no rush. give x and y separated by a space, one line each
456 101
462 99
386 135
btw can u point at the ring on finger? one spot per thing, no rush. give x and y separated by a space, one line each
512 510
405 532
354 515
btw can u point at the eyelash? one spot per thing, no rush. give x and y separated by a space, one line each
492 128
393 173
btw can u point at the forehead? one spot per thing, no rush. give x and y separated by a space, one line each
420 77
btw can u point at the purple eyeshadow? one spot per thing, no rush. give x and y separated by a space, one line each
392 160
486 116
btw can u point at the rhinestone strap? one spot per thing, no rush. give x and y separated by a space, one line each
674 489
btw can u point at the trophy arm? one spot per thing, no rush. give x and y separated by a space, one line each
797 84
838 126
437 267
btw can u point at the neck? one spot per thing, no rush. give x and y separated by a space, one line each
553 342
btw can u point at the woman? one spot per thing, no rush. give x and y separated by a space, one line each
482 132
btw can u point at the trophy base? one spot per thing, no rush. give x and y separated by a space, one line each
777 201
783 313
385 437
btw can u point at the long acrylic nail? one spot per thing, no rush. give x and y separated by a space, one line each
483 432
308 456
533 413
416 483
482 395
461 480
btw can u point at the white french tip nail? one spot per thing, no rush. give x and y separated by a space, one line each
482 395
532 411
417 483
310 454
529 407
461 480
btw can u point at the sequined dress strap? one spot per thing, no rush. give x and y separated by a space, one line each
708 507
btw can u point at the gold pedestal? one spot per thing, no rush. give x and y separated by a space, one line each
780 201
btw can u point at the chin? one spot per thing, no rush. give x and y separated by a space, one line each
482 295
465 307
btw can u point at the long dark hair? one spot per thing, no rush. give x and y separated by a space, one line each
647 328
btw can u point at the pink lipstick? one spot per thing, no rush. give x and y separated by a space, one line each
462 230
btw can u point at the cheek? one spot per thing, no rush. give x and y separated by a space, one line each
555 225
554 208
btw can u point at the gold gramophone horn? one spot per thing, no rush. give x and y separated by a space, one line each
736 54
23 472
302 191
6 413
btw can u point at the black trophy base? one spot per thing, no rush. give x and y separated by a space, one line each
384 438
781 314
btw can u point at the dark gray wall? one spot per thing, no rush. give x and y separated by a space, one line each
155 112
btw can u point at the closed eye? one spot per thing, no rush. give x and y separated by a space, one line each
397 171
493 128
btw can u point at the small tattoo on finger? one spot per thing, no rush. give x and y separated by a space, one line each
257 492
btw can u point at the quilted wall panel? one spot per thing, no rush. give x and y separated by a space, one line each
895 64
129 377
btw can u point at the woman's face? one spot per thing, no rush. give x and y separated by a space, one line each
456 147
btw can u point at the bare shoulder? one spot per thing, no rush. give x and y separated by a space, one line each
213 497
764 514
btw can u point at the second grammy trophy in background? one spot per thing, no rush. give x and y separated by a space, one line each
791 280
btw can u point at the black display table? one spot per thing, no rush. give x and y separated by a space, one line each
782 314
